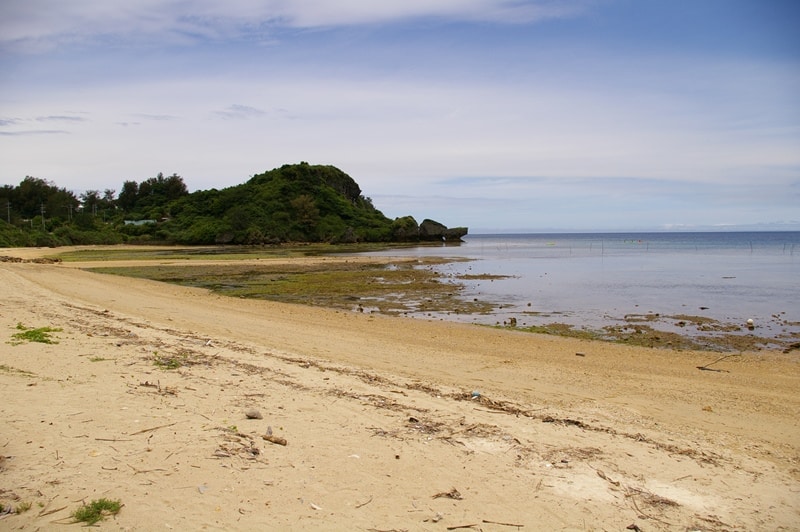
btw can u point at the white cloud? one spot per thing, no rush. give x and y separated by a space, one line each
240 112
313 13
41 24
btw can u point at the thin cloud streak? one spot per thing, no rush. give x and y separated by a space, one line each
34 132
57 118
41 24
240 112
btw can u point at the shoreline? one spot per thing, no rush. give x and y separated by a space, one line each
379 417
230 272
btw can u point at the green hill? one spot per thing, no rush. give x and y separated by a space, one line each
293 203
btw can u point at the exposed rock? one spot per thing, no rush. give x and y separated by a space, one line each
433 230
454 234
38 260
405 229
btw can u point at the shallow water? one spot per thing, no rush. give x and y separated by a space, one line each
594 280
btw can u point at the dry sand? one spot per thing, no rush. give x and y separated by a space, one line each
382 429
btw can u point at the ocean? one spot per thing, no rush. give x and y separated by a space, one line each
593 280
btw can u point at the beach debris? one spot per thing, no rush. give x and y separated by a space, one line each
792 347
436 518
502 523
168 390
476 394
580 354
252 413
202 488
602 475
452 494
275 439
361 505
634 527
751 324
565 421
720 359
151 429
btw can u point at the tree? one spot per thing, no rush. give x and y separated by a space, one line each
128 196
90 201
35 197
306 211
151 195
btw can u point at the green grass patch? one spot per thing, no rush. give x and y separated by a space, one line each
169 362
96 511
41 335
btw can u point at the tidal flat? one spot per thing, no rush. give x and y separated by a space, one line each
341 277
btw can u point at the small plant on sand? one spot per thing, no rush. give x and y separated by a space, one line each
27 334
23 507
168 362
97 510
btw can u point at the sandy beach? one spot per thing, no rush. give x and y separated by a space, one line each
389 423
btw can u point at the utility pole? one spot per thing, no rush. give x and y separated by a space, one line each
43 226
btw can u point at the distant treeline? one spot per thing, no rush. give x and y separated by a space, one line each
293 203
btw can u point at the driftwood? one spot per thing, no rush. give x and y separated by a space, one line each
502 524
720 359
275 439
153 428
452 494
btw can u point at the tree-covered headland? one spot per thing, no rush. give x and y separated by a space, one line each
293 203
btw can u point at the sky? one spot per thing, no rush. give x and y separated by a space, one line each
499 115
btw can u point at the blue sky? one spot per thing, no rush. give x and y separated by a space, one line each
502 115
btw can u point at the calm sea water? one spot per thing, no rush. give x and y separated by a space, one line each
592 280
